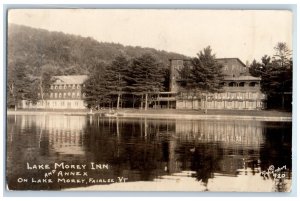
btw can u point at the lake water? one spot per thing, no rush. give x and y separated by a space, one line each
53 152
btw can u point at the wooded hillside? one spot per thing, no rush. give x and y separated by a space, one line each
68 54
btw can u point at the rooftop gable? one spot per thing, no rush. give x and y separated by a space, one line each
70 79
223 60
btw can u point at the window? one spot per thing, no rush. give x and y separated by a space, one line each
73 95
78 86
78 94
232 95
252 84
241 84
65 86
83 95
59 95
62 103
55 95
59 86
65 94
69 93
76 103
232 84
51 87
55 86
51 95
73 87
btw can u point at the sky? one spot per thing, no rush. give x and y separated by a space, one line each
246 34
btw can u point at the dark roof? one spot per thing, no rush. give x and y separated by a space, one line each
227 59
218 59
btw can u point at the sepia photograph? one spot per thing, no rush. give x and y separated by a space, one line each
172 100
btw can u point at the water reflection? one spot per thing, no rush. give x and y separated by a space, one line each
213 155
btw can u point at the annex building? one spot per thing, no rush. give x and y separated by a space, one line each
65 93
241 91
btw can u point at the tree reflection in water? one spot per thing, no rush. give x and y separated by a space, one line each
144 149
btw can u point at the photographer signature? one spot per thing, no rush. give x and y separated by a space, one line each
275 173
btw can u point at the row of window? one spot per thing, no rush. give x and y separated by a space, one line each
241 84
64 95
229 95
62 103
65 86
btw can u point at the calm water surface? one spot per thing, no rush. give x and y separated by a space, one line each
153 154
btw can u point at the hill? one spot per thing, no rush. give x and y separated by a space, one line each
69 54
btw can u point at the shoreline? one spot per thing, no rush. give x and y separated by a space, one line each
163 114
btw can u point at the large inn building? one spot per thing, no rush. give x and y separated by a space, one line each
241 91
65 93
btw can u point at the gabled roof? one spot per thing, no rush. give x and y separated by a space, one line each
70 79
228 59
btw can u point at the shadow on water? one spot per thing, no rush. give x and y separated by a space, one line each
144 149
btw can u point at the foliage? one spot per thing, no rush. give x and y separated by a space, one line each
41 54
116 77
72 54
146 75
20 86
204 73
276 73
95 90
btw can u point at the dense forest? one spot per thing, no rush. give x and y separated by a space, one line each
36 55
68 54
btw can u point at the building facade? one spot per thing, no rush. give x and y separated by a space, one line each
65 93
241 91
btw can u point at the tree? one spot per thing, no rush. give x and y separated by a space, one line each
20 85
96 91
205 73
255 68
116 76
45 79
276 74
146 75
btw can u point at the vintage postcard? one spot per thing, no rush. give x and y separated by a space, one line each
149 100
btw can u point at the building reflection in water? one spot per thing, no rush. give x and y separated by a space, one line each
145 150
63 133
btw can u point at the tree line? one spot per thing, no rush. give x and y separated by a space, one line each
276 73
36 55
129 79
125 82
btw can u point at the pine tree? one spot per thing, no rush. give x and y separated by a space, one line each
276 74
146 75
204 74
116 76
96 92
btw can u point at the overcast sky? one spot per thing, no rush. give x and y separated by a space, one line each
230 33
